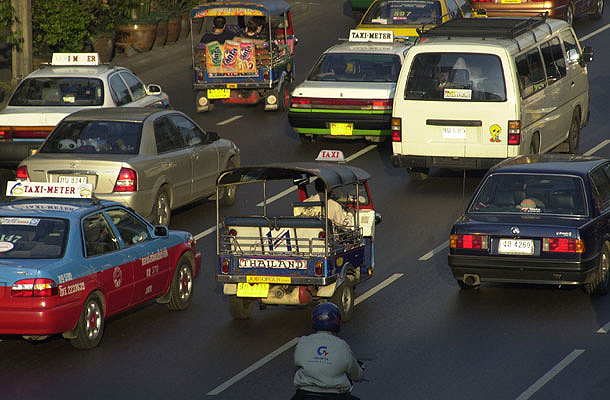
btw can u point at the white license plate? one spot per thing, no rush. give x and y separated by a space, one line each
72 179
454 132
516 246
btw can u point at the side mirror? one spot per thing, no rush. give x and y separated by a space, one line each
161 230
213 136
153 89
587 55
377 217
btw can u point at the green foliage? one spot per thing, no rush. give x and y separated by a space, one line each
6 20
62 25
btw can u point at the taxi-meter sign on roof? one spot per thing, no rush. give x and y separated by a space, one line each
331 155
357 35
47 189
75 59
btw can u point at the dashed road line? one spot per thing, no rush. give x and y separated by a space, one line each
226 121
604 329
434 251
596 148
595 32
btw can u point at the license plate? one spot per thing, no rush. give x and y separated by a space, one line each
72 179
454 132
516 246
267 279
252 290
341 129
219 93
511 1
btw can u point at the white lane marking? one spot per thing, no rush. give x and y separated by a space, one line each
226 121
288 345
550 375
205 233
604 329
596 148
595 32
434 251
293 188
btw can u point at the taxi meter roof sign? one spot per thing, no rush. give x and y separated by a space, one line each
362 35
48 189
75 59
331 155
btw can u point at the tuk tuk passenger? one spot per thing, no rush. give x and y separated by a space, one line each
220 33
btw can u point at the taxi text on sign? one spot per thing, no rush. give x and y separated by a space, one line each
75 59
358 35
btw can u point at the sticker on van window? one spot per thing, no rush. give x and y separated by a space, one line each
495 132
459 94
19 221
6 246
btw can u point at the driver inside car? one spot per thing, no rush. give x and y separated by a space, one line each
335 212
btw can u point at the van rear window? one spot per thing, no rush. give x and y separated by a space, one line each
456 77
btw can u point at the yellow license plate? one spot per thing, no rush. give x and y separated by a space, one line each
341 129
232 85
252 289
511 1
267 279
219 93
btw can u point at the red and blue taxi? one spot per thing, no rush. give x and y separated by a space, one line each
69 261
539 219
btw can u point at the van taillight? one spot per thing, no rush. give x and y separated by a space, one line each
22 173
514 132
396 130
35 287
563 245
300 102
127 181
478 242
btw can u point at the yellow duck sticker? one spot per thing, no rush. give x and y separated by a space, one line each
495 132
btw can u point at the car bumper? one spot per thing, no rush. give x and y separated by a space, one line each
406 161
520 270
529 9
140 201
319 123
294 280
39 321
12 153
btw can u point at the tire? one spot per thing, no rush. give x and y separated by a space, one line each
535 144
210 104
283 100
5 176
574 134
569 18
464 286
418 174
162 210
344 299
306 139
227 195
181 290
240 307
598 11
90 326
601 283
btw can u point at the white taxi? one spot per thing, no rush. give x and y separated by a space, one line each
72 82
350 90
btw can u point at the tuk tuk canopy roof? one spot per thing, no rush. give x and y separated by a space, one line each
333 175
237 8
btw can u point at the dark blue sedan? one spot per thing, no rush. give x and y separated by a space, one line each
542 219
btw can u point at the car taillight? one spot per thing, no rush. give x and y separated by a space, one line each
319 267
22 173
232 232
32 132
6 132
563 245
300 102
396 130
382 104
35 287
127 181
266 74
352 104
225 266
478 242
514 132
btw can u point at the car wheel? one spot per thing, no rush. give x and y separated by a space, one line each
161 208
227 194
418 174
5 176
598 10
306 139
240 307
181 291
284 97
464 286
344 299
574 135
601 283
90 325
569 18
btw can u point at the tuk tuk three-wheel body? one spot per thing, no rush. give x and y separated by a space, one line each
303 257
245 69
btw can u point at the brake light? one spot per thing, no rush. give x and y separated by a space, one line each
382 104
225 265
34 287
22 173
321 235
127 181
300 102
318 267
6 132
232 232
563 245
266 74
514 132
31 132
478 242
352 104
396 130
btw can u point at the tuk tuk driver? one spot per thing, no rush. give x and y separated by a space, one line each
335 212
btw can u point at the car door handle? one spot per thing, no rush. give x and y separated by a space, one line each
167 164
195 156
572 84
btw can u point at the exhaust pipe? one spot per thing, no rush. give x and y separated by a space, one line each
472 279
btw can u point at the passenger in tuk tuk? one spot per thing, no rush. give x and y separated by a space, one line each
336 213
220 33
254 31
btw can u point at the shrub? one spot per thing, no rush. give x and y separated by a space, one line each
62 25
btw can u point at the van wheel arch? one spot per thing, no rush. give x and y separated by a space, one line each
535 143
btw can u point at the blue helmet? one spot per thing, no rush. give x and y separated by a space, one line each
326 317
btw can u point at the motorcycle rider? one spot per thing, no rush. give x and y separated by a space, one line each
325 363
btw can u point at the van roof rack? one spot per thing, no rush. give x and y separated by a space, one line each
505 28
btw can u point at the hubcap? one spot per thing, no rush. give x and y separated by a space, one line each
604 268
186 283
346 299
94 320
600 6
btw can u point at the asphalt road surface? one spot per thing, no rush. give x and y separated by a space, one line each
420 336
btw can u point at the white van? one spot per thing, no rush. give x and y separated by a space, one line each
476 91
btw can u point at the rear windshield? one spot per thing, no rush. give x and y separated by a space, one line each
356 67
531 194
102 137
403 13
25 237
59 92
456 77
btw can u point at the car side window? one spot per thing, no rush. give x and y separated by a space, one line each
452 8
553 60
131 229
99 238
137 88
191 134
571 46
119 90
601 182
166 137
531 72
